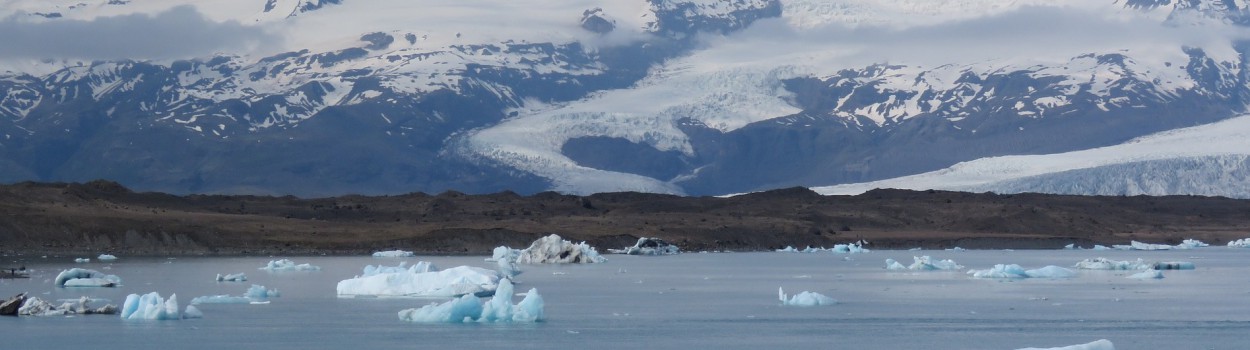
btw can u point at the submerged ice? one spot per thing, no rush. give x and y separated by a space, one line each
468 308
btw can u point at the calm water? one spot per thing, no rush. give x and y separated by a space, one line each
691 301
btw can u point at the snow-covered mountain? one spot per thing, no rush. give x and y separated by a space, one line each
317 97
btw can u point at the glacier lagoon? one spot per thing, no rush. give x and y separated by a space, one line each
692 300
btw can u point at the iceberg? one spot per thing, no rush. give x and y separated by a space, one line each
504 253
259 292
1101 247
419 267
192 312
805 298
554 250
234 277
923 263
415 282
857 247
1101 344
77 277
1240 243
1186 244
288 265
1101 263
33 306
788 249
82 260
1015 271
1173 265
393 254
648 246
1147 275
220 299
106 257
468 308
150 307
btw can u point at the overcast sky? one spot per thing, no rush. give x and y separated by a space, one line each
181 32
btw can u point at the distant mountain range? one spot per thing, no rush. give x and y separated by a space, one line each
697 97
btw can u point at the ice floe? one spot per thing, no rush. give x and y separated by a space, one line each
1016 271
1101 344
923 263
555 250
648 246
82 260
150 307
804 298
393 254
106 257
1139 264
233 277
33 306
1147 275
77 277
420 280
468 308
288 265
1186 244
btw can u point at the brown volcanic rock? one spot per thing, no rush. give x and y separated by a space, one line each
104 216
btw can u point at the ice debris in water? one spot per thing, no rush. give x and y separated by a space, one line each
255 293
1101 344
393 254
82 260
420 280
1186 244
1016 271
1241 243
33 306
288 265
192 312
648 246
77 277
1101 263
106 257
150 307
1147 275
804 298
857 247
469 308
259 292
234 277
923 263
548 250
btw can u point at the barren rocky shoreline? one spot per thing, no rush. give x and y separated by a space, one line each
101 216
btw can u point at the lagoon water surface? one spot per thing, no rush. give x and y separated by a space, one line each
688 301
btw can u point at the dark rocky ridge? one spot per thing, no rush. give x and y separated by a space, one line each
101 216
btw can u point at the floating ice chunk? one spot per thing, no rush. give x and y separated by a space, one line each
956 249
419 267
1015 271
33 306
1147 275
1071 246
1186 244
393 254
508 267
1191 243
891 264
455 281
1101 263
650 246
857 247
259 292
804 298
923 263
504 253
1240 243
1101 247
77 277
192 312
1101 344
82 260
150 307
1173 265
106 257
288 265
788 249
554 250
468 308
234 277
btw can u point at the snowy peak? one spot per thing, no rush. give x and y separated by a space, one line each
291 8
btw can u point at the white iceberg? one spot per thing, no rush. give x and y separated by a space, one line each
468 308
805 299
192 312
77 277
923 263
33 306
414 282
393 254
234 277
554 250
1240 243
288 265
788 249
419 267
1016 271
1101 247
648 246
259 292
82 260
1101 344
504 253
1101 263
1186 244
106 257
150 307
857 247
1191 243
220 299
1147 275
